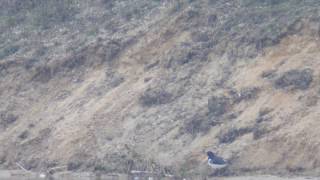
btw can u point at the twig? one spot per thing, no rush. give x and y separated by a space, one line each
53 169
20 166
138 172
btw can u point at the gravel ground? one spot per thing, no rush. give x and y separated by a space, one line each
21 175
263 178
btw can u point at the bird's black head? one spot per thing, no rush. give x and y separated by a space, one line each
210 155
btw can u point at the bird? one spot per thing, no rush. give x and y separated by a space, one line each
215 161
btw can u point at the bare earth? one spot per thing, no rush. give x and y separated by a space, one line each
152 85
263 178
21 175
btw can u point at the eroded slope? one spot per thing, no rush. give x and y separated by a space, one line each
124 85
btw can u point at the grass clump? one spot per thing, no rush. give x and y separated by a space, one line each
48 13
7 51
233 134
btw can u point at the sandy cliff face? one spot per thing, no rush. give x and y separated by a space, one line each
114 86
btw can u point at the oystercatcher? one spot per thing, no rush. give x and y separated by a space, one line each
215 161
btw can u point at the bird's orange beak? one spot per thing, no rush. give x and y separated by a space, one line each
204 159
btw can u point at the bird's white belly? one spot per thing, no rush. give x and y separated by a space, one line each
217 166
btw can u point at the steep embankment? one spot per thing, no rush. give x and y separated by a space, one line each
114 86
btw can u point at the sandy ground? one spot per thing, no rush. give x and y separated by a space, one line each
264 178
21 175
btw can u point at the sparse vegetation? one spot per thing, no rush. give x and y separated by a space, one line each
269 74
114 79
6 119
233 134
224 172
245 94
74 166
102 168
263 115
48 13
43 74
312 101
38 13
2 159
295 79
153 97
94 78
218 105
198 124
24 135
7 51
259 131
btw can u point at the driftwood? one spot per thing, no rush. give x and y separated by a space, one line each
21 167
